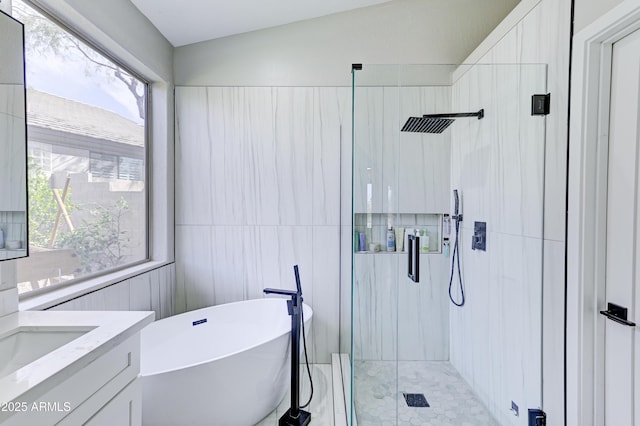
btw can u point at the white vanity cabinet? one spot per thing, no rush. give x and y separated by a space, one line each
92 380
102 393
118 401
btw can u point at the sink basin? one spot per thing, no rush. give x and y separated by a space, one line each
25 344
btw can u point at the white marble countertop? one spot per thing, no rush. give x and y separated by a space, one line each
107 330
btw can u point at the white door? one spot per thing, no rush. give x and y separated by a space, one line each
621 340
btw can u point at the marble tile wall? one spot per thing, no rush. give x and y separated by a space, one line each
395 318
258 191
414 165
498 167
152 291
409 174
521 194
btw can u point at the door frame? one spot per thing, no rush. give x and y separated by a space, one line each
586 215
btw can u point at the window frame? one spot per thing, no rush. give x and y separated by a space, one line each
95 281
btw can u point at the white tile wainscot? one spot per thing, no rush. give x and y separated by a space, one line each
93 376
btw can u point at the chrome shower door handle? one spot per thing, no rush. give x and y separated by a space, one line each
413 270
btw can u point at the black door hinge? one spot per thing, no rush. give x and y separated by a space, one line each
537 417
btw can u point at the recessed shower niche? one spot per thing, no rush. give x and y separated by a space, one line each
470 353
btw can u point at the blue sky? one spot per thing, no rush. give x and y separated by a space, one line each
74 79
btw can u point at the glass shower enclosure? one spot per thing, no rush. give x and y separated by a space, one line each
436 341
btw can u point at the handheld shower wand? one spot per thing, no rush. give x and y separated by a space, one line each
457 217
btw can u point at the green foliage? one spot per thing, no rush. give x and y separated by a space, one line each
42 206
99 242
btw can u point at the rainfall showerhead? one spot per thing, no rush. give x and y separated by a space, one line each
436 123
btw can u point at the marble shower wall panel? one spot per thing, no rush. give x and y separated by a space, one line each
499 353
325 292
498 165
543 37
194 268
375 298
260 174
228 272
502 156
193 158
271 252
332 138
395 318
226 125
368 149
423 159
423 314
346 253
273 182
471 159
294 137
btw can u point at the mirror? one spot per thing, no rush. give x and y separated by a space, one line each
13 146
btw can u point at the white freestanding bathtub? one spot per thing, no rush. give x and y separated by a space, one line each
226 365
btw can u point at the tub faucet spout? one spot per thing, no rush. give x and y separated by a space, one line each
294 415
280 291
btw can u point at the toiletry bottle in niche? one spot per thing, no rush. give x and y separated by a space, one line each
445 247
1 238
391 242
424 241
399 234
447 225
363 240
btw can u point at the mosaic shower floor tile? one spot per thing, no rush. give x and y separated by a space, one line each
378 396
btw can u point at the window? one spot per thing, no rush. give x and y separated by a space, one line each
86 119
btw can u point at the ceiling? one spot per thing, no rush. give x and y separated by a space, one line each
191 21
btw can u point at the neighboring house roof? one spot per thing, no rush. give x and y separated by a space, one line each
65 115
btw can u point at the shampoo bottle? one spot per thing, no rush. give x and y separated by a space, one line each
424 241
391 240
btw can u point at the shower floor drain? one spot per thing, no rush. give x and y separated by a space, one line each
415 399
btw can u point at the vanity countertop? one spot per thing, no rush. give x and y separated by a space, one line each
107 329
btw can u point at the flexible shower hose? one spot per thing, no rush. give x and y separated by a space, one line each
306 359
454 257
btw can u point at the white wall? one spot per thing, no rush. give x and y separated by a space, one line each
587 11
319 52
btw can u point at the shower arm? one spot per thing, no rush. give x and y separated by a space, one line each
479 114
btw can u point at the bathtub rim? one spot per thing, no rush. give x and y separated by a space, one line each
206 361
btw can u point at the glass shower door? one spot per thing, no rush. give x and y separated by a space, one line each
417 358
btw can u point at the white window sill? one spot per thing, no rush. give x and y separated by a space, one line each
65 293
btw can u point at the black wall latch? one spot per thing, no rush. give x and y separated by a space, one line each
540 104
537 417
